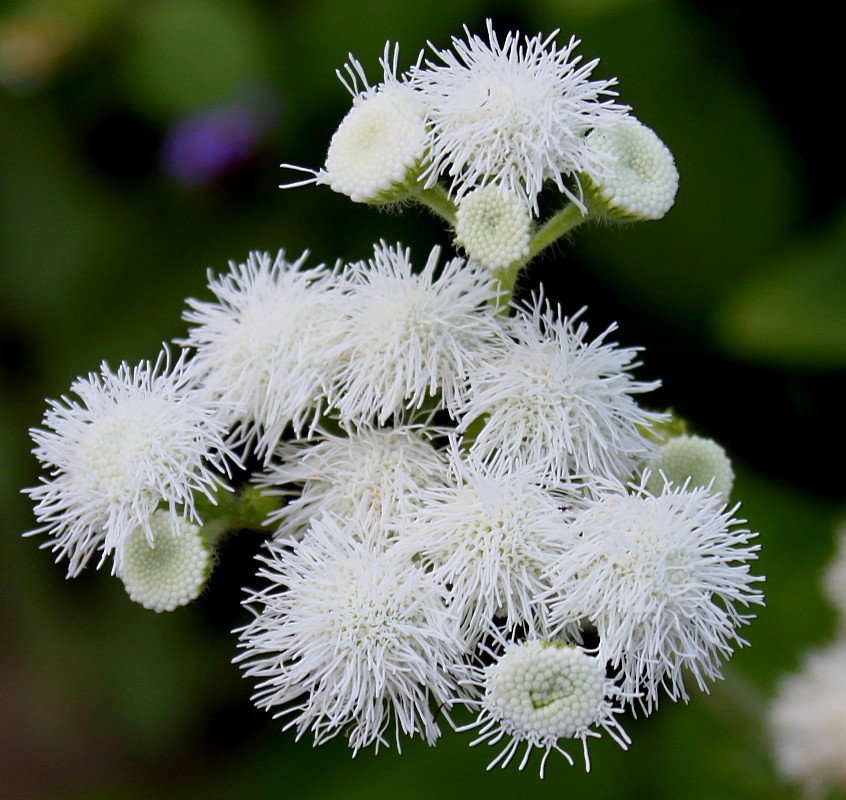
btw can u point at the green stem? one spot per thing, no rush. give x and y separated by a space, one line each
507 278
437 201
245 509
555 227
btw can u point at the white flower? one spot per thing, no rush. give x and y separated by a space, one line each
834 577
168 572
807 722
540 692
134 439
512 114
489 536
348 638
261 347
494 227
410 335
558 402
371 470
639 180
376 153
660 578
692 459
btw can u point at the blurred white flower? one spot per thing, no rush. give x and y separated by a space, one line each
807 722
262 345
512 114
834 577
538 693
660 578
134 439
349 638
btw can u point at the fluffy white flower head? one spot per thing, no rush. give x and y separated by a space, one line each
372 470
494 227
376 153
261 346
513 114
362 631
807 722
489 535
557 401
693 460
639 180
660 578
169 572
541 692
410 334
133 439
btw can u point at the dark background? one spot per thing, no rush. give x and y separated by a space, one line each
738 297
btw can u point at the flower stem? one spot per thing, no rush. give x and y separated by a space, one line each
437 201
555 227
244 509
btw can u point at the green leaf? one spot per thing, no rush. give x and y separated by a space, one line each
792 311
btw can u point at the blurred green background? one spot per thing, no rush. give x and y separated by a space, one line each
139 146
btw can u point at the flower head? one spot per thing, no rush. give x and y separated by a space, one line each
807 722
494 227
693 460
358 636
168 572
373 470
660 578
489 535
134 439
557 401
261 346
410 335
376 154
637 179
512 114
540 692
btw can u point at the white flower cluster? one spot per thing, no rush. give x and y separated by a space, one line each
455 485
493 124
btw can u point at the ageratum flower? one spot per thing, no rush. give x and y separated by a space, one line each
515 114
134 439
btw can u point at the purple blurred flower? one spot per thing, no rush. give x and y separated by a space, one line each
204 146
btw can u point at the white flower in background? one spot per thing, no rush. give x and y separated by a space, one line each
494 227
261 346
370 470
660 578
512 114
538 693
638 178
134 439
556 401
834 577
376 154
409 335
348 638
488 535
170 571
701 463
807 722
